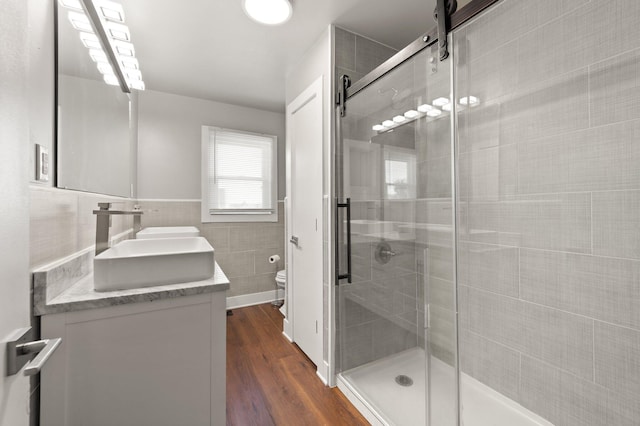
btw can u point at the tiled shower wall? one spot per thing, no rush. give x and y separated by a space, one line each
373 309
549 179
241 249
356 56
384 309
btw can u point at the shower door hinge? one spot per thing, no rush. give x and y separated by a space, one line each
341 96
444 9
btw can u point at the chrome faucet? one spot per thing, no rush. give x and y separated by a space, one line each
103 223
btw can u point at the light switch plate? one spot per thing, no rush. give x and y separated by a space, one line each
42 163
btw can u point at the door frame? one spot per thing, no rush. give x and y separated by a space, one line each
315 89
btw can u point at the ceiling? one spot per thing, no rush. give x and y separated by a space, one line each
209 49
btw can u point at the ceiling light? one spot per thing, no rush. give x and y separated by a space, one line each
71 4
105 68
469 100
80 22
434 112
110 10
98 55
269 12
111 80
90 41
388 123
446 107
124 48
133 74
425 108
378 127
411 114
137 84
440 102
399 119
129 63
118 31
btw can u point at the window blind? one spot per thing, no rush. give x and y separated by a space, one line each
240 172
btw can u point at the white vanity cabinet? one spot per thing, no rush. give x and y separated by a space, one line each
153 363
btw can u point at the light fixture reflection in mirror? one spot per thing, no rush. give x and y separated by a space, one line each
96 138
102 31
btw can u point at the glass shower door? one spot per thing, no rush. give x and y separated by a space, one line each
396 319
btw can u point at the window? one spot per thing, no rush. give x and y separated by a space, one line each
399 173
239 182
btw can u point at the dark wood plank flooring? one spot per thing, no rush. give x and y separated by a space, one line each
271 382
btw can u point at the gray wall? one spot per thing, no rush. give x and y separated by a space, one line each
169 182
357 55
169 146
14 140
549 195
241 249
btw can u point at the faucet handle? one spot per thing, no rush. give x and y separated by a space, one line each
104 206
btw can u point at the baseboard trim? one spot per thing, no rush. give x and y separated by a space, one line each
323 372
287 330
253 299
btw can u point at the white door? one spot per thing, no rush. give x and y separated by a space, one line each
14 206
304 149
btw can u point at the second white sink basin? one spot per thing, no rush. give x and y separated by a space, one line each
152 262
168 232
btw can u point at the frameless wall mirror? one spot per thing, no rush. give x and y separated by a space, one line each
96 121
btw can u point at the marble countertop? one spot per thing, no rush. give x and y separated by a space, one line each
81 294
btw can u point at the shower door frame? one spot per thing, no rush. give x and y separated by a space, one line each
342 94
339 202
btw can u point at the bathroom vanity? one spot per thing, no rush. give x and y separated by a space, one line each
144 356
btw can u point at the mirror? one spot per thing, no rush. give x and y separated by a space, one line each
96 142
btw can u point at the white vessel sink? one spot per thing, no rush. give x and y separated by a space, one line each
152 262
168 232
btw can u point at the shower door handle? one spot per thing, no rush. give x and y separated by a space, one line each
294 240
347 207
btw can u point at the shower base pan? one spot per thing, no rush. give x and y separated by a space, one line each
380 393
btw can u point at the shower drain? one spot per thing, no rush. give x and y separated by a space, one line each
403 380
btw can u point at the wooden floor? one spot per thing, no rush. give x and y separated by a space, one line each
271 382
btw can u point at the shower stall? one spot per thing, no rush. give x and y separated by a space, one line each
487 227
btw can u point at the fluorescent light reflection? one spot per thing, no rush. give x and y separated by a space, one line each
98 55
439 102
469 100
118 31
424 110
129 63
110 10
105 68
111 80
80 22
90 41
111 18
138 85
71 4
124 48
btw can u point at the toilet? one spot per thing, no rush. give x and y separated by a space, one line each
281 281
